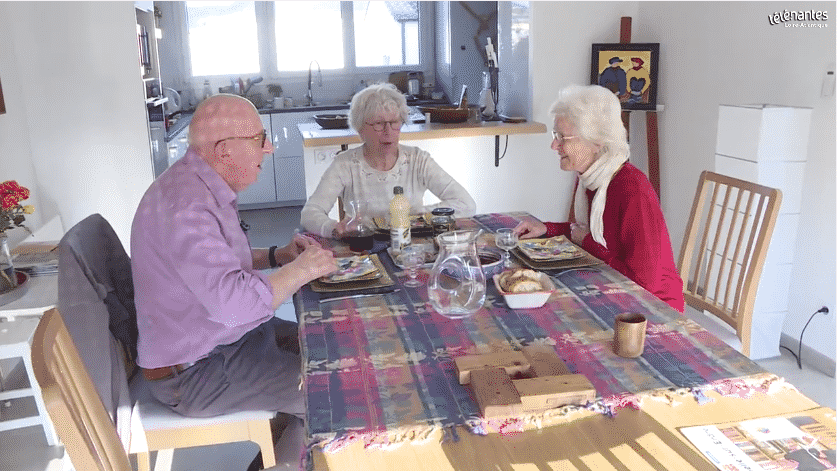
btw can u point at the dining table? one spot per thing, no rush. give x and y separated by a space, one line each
382 389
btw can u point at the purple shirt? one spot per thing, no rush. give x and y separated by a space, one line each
194 282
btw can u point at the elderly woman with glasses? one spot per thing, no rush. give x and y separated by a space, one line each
369 172
618 218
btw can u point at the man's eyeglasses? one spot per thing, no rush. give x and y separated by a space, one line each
560 138
258 138
380 125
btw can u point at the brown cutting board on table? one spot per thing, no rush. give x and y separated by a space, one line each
519 382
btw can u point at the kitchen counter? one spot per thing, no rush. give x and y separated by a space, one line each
315 136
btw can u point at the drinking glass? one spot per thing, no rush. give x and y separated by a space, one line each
412 257
506 240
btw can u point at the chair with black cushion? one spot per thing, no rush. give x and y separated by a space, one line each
723 253
96 300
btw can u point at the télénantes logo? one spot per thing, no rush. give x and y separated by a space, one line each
803 18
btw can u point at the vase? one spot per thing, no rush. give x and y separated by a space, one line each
8 279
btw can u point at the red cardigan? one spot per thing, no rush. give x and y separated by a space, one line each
638 244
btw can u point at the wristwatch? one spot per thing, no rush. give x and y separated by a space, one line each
271 256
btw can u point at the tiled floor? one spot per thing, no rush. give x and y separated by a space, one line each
26 449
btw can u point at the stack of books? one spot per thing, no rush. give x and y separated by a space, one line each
37 263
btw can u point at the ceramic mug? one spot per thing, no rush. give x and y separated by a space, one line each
278 102
629 334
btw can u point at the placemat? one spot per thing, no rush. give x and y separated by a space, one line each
384 280
586 260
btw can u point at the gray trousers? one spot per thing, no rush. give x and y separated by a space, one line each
261 371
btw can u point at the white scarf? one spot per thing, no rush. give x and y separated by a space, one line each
597 177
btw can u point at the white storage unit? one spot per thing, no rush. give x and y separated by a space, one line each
768 145
290 167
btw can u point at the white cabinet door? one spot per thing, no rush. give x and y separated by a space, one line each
264 190
290 178
290 166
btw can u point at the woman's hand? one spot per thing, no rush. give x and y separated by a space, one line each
340 231
530 228
578 232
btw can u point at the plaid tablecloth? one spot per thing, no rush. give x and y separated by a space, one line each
382 367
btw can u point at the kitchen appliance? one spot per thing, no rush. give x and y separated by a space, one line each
415 81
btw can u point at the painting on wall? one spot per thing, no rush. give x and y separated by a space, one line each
2 103
629 71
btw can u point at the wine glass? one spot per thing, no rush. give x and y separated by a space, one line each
506 239
412 257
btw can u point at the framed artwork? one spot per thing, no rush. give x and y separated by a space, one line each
629 71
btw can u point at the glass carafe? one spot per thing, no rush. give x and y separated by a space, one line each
456 287
359 232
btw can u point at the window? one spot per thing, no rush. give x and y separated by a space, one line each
224 38
386 33
307 31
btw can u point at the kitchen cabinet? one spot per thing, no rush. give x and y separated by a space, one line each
768 145
290 166
264 190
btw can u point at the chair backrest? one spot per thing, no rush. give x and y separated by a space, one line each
80 418
724 248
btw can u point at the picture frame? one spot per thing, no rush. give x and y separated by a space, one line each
630 70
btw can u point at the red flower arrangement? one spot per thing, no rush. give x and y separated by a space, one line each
12 213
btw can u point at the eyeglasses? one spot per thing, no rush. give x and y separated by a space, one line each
560 138
261 137
380 125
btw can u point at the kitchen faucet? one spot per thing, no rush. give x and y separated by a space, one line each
309 97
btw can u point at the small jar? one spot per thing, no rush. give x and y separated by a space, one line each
442 220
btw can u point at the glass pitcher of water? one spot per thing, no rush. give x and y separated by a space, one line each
456 287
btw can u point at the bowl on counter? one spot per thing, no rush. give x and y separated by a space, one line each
332 121
445 113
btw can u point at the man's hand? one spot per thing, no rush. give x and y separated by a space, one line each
530 228
298 244
313 263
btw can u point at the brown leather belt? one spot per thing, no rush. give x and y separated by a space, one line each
164 372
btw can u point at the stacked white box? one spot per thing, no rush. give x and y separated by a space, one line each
768 145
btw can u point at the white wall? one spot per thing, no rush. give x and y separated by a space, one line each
714 53
74 114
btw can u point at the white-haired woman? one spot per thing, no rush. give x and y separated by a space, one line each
371 171
618 215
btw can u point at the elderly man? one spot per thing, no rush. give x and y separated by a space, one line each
209 343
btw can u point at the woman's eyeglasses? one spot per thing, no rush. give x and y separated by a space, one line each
560 138
380 125
261 137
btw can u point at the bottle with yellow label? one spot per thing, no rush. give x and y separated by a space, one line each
399 219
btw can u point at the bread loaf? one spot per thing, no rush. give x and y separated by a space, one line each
520 280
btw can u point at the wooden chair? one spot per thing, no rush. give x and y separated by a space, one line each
80 418
95 294
724 249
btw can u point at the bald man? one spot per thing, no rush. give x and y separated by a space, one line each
209 343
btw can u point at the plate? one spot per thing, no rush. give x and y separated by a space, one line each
418 223
549 250
355 268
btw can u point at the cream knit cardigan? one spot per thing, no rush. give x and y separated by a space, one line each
350 177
